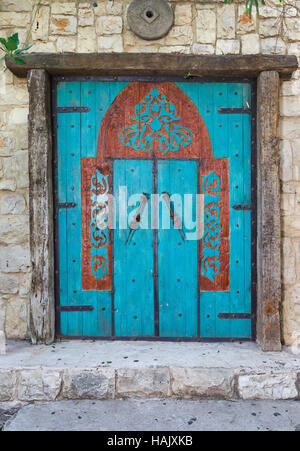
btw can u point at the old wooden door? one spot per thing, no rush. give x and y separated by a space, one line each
154 209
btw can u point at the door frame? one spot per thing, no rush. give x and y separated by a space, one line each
266 69
252 112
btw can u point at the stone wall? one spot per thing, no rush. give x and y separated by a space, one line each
201 27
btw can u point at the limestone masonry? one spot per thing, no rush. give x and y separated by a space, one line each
201 27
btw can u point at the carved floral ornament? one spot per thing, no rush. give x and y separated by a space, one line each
156 120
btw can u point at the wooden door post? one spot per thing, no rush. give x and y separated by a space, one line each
268 206
42 301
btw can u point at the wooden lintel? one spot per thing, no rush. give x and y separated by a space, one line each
118 64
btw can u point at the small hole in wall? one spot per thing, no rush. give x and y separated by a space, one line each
149 14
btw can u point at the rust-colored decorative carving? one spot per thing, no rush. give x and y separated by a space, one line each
199 147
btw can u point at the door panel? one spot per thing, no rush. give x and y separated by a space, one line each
157 286
177 257
133 262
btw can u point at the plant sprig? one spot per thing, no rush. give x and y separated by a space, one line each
249 5
10 47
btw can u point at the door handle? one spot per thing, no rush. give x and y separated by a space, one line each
174 217
135 223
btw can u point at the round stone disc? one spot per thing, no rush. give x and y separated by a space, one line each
150 19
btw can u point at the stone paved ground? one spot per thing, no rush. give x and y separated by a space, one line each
7 411
157 415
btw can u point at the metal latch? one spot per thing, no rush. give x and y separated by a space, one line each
67 205
73 109
246 207
235 316
76 308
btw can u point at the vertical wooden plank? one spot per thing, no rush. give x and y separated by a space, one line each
99 321
69 148
268 209
177 258
236 194
133 262
42 300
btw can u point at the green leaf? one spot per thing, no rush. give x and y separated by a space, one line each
19 61
11 44
17 52
3 42
15 37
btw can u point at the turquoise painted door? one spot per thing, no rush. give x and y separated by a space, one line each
177 158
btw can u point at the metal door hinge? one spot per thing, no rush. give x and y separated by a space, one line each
246 207
66 205
235 315
234 110
73 109
76 308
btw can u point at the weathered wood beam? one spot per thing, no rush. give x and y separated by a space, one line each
42 304
268 206
116 64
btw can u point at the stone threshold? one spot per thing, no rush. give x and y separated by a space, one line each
108 370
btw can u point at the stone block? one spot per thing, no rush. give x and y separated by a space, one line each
64 8
14 259
206 26
2 345
290 88
8 185
7 385
202 382
39 385
109 25
85 17
288 260
107 44
226 22
89 384
290 106
14 229
43 47
114 8
268 27
292 29
275 386
289 128
12 204
143 383
3 304
183 15
13 20
18 116
203 49
250 44
87 41
63 24
40 26
16 5
286 161
9 284
180 35
100 9
245 25
228 46
66 44
273 46
269 11
16 320
178 49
